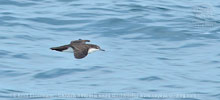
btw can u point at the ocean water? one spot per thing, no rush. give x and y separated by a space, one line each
153 47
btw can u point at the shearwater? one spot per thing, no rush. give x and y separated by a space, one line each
79 48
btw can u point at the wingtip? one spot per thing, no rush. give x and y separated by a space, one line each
52 49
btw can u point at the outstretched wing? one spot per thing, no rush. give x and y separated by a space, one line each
80 41
60 48
80 51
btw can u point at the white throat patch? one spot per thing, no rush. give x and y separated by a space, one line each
92 50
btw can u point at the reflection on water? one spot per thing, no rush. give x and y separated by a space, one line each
152 47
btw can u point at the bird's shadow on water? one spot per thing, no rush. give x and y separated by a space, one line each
57 72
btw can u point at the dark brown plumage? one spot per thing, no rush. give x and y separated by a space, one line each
79 47
60 48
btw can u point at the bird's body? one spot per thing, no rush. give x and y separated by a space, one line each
79 48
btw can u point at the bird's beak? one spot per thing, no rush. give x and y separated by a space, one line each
101 50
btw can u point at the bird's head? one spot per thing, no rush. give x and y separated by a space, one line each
94 48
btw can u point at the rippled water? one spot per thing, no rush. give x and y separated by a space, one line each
152 46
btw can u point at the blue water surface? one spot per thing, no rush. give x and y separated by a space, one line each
152 47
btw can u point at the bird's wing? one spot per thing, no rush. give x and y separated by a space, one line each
80 41
80 52
60 48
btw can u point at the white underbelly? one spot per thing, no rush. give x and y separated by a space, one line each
70 50
91 50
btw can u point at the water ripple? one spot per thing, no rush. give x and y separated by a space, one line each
210 81
172 86
54 73
52 21
31 38
10 73
151 78
57 73
8 18
9 91
21 56
16 3
193 45
4 53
